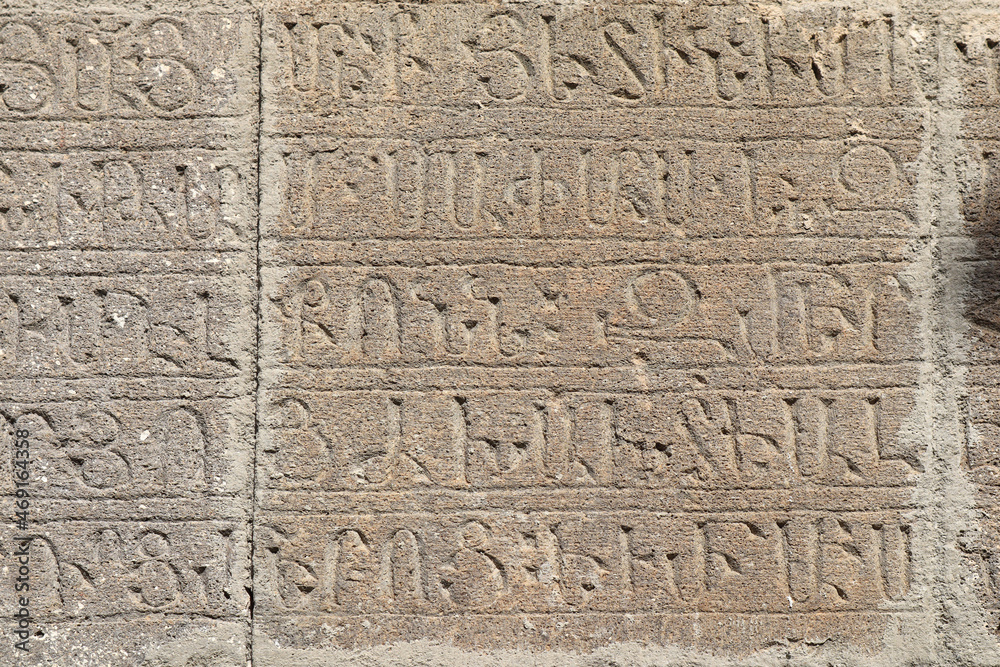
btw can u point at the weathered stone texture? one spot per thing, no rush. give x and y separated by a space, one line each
529 380
127 232
529 333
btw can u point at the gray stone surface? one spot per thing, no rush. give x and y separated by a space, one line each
531 333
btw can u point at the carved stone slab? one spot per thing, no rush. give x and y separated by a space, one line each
127 254
550 355
509 333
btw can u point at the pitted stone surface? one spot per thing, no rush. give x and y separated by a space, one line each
127 210
527 380
545 333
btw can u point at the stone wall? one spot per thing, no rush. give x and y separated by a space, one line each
530 333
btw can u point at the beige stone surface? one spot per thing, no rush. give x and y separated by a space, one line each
598 384
127 238
508 333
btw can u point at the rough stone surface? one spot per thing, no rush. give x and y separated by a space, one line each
128 241
532 333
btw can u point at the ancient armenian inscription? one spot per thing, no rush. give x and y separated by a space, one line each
127 239
540 327
586 324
